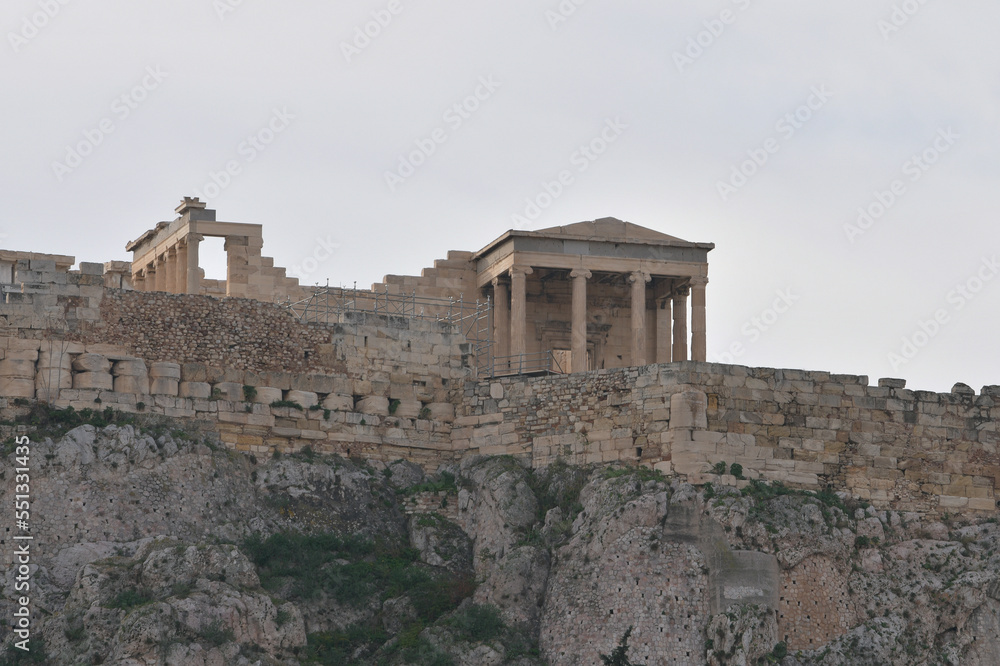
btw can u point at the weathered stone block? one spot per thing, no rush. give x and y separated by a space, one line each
199 390
17 387
87 268
305 398
165 370
94 380
138 385
408 409
442 411
106 349
688 410
164 386
91 363
375 404
231 391
53 378
267 394
130 368
56 358
339 403
17 369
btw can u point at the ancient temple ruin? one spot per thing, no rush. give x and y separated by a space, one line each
582 343
584 296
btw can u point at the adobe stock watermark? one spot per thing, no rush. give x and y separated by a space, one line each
121 109
786 127
370 30
453 117
581 159
246 152
900 16
913 169
34 23
756 326
562 12
225 7
957 298
322 252
22 538
705 39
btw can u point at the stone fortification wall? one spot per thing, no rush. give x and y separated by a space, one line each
901 449
389 387
379 387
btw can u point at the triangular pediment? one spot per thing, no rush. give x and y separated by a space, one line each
609 229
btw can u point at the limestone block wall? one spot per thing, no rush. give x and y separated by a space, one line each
376 386
454 277
43 295
901 449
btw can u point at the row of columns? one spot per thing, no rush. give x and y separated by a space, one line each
510 324
174 269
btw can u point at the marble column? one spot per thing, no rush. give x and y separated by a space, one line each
171 264
680 352
180 279
638 280
237 266
698 326
664 316
578 335
518 313
161 273
193 272
501 323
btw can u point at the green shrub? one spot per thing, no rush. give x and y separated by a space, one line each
249 392
478 622
215 634
719 468
131 598
444 483
306 564
736 470
335 648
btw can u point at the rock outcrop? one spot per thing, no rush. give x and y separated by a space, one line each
153 546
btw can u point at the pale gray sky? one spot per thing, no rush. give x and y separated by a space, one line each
114 110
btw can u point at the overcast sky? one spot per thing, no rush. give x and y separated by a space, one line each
372 137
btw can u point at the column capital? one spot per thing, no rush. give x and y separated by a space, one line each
500 280
682 291
698 281
639 276
521 270
580 273
193 238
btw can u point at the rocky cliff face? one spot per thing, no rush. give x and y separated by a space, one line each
153 546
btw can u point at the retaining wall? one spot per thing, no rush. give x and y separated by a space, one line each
900 449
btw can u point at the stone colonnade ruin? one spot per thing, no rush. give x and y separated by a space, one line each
585 296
